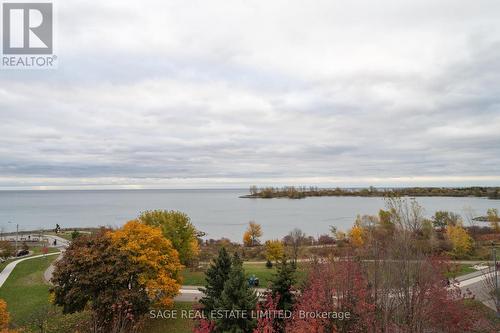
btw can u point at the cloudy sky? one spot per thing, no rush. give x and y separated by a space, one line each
232 93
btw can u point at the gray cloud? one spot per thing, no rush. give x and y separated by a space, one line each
167 93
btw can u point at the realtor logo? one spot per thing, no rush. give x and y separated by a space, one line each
28 29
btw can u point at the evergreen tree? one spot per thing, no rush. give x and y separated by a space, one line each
282 284
237 295
281 290
215 277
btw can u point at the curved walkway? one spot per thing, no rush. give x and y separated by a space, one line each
4 275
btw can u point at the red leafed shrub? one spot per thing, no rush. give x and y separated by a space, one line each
268 323
338 289
204 326
422 301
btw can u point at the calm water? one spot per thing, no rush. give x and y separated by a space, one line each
220 213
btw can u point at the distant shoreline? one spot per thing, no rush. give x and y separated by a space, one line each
304 192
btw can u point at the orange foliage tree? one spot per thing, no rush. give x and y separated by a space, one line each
4 316
252 234
117 275
154 256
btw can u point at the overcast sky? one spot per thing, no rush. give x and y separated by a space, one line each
232 93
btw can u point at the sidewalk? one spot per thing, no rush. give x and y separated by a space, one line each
473 275
4 275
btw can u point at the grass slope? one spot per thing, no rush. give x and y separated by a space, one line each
25 291
177 325
265 275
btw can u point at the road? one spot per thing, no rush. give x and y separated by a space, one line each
473 282
192 293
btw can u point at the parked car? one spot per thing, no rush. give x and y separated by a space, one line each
253 281
21 253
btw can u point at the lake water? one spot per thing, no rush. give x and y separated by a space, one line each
219 213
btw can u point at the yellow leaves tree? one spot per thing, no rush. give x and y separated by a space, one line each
356 236
5 319
460 240
177 227
155 258
274 250
494 219
4 316
252 234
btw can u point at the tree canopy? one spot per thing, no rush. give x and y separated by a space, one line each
177 227
215 277
252 234
237 295
274 250
117 274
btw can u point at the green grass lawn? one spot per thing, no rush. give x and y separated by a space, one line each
25 291
178 325
38 250
461 269
465 269
265 275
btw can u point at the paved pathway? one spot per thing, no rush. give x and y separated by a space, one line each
193 294
10 267
473 282
47 275
62 244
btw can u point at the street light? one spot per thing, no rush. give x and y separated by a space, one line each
17 233
494 254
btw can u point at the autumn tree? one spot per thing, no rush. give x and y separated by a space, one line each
407 286
356 236
4 316
343 287
176 227
385 222
154 257
494 219
252 234
274 250
490 287
268 324
336 288
442 219
295 239
118 275
340 238
6 249
460 240
93 274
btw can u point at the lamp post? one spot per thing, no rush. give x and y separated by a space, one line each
17 234
494 255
